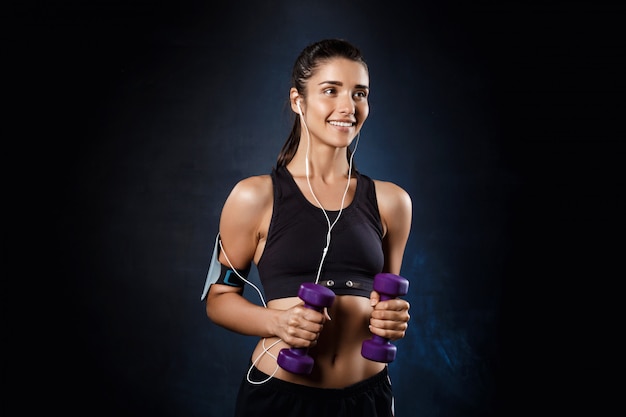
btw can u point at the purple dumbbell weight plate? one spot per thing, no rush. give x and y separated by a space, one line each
391 284
316 295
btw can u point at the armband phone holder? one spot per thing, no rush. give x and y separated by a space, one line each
215 268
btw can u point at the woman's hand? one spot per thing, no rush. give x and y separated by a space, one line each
389 318
299 326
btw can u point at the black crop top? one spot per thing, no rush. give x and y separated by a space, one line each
297 236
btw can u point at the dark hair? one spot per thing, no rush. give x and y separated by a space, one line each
307 62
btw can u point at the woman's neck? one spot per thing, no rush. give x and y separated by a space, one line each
327 165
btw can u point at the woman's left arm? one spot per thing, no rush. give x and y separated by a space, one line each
390 318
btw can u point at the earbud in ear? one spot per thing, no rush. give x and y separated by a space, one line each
299 108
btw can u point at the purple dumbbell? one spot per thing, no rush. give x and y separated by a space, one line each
378 348
316 297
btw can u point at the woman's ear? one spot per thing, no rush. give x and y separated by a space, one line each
296 101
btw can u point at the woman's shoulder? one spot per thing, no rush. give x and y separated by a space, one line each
395 206
392 199
387 190
253 190
255 181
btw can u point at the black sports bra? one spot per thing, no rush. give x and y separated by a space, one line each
297 236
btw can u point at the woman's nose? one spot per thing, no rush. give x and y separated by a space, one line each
347 105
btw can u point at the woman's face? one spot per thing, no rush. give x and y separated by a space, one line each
336 104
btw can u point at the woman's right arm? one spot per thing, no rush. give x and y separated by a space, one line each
240 229
243 225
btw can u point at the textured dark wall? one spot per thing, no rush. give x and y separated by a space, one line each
147 114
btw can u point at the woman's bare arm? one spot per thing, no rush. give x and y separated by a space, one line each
390 318
243 227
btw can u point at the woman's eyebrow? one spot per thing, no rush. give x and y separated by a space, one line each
339 83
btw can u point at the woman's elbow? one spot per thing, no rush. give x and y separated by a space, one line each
216 301
212 307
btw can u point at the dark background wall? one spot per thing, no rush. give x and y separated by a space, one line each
136 118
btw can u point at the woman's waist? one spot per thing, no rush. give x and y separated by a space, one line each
323 393
334 366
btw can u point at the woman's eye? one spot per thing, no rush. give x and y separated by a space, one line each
361 94
329 91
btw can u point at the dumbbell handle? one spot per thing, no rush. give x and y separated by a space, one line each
379 348
383 297
315 297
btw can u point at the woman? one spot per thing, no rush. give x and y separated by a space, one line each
315 219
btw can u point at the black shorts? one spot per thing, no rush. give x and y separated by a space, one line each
277 398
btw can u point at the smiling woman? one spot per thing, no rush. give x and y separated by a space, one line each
315 219
340 90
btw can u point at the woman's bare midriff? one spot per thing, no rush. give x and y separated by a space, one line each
337 355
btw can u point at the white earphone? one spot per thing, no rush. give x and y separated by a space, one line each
299 108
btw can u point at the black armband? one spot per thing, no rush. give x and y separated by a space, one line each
228 276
